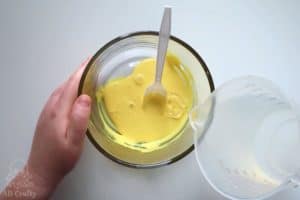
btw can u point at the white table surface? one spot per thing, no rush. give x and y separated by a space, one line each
42 42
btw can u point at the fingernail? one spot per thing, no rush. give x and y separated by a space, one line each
84 101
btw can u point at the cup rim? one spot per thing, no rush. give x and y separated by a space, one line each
101 50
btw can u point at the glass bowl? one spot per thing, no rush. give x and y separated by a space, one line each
117 59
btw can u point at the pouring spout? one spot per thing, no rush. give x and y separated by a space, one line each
201 115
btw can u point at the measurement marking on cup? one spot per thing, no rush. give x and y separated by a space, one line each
245 173
228 170
236 171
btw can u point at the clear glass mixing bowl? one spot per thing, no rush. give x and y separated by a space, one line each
117 59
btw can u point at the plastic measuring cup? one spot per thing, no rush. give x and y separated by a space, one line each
247 139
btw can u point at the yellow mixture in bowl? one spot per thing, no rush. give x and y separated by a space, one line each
151 126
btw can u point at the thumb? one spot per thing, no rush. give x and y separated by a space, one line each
79 119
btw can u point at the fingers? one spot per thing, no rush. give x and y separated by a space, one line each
54 98
79 117
69 94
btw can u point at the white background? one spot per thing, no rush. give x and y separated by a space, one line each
42 42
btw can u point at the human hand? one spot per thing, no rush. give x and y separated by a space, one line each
58 139
60 132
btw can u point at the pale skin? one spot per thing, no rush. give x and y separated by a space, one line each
57 144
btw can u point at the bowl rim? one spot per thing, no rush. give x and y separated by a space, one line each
101 50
